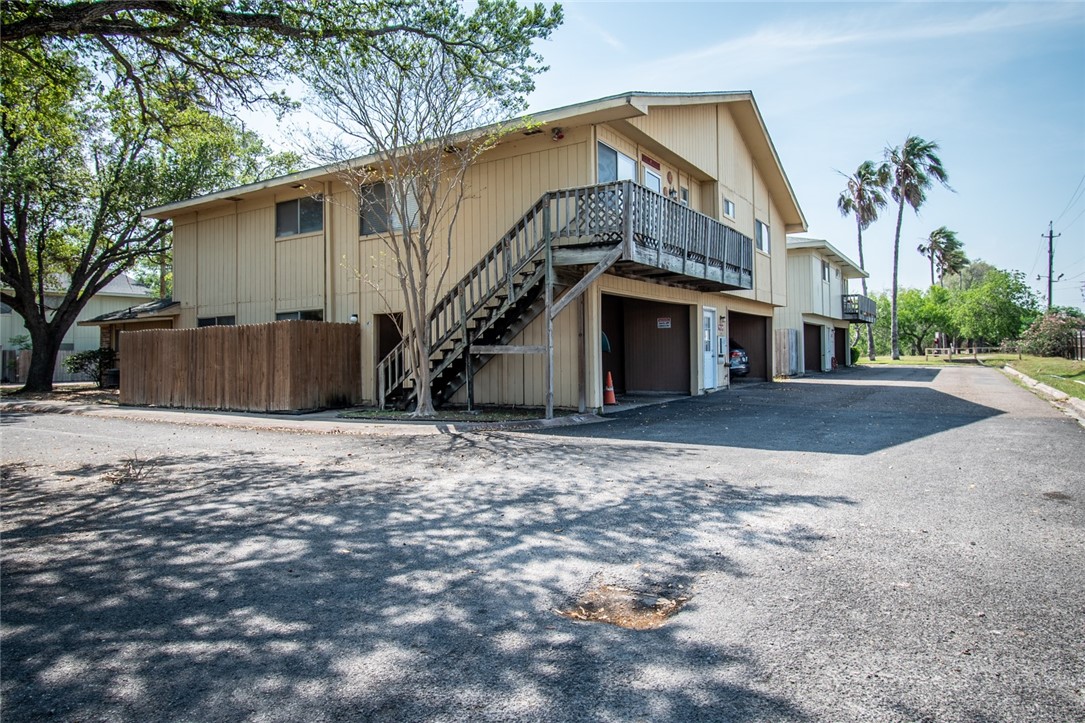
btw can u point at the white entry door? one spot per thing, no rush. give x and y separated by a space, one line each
709 347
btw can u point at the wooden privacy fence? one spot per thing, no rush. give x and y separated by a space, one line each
285 366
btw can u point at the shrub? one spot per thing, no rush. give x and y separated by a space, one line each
91 362
854 355
1051 335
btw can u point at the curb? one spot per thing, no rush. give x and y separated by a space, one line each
317 423
1071 405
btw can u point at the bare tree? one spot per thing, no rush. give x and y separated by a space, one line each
405 144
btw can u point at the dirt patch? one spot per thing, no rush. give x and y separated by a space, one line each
629 608
487 414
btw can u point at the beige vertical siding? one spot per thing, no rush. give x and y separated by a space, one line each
216 266
689 131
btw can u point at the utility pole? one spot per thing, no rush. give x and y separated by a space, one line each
1051 236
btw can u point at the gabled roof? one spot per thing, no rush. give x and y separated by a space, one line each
123 285
849 268
602 110
157 309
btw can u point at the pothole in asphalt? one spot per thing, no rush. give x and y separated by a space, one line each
1057 496
626 607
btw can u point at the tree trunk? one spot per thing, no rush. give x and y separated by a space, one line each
862 265
43 358
894 331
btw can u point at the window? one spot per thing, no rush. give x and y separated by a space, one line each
67 346
728 208
302 215
825 271
761 236
684 197
376 212
215 321
308 315
614 166
653 181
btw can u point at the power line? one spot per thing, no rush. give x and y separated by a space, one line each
1074 219
1073 198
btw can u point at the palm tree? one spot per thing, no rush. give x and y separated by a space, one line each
945 251
865 197
914 166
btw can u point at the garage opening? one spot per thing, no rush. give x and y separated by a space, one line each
841 347
646 345
754 334
811 345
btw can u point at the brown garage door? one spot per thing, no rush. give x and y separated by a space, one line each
650 345
754 334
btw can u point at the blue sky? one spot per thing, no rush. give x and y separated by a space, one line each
1001 88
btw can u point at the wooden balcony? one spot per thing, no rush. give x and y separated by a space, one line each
661 240
860 309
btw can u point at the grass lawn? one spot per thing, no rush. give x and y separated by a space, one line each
1062 374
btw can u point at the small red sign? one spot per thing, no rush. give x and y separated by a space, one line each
650 162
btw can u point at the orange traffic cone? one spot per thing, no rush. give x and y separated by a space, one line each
608 391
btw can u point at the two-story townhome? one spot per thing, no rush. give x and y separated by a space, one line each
812 330
120 293
654 223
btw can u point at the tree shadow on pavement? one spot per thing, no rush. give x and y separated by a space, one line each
236 588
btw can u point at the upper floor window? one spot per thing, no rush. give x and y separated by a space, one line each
653 181
824 270
728 208
377 211
307 315
216 321
683 196
761 236
614 165
301 215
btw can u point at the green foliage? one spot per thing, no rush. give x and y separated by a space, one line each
999 308
1053 334
20 342
92 362
972 274
855 355
945 252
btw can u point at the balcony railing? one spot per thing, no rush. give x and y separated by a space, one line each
860 309
663 240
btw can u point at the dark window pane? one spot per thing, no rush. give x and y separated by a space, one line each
608 164
311 315
312 214
286 316
225 321
374 209
286 218
209 321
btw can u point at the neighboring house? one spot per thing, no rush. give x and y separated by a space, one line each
121 293
157 314
812 330
667 215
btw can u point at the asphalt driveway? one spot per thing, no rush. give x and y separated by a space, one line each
893 544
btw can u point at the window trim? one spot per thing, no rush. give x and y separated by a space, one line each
728 205
654 174
299 231
222 320
617 165
825 276
762 236
297 315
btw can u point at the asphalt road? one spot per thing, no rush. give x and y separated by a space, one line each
895 544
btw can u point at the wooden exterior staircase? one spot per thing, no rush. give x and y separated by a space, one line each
618 227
